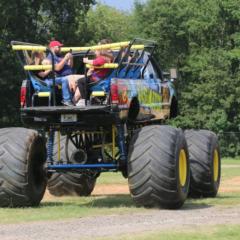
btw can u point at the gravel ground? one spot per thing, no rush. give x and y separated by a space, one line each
189 217
113 225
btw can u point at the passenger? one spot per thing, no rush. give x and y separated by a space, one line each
102 56
63 68
38 59
94 74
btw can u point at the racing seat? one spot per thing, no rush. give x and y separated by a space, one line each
41 91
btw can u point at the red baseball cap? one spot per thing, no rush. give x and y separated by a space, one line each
55 44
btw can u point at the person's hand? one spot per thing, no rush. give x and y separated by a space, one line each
85 60
68 56
46 61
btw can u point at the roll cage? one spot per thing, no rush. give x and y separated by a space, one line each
128 59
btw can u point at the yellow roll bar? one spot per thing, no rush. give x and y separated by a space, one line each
44 94
133 47
96 47
37 67
67 49
98 94
113 46
106 65
29 48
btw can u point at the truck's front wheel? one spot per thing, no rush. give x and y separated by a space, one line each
158 167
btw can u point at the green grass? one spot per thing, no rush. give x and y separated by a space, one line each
70 207
226 232
230 168
76 207
231 161
111 178
228 173
223 200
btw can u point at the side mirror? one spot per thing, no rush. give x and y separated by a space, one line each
173 73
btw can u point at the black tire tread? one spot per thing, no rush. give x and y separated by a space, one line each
16 146
69 183
151 166
201 144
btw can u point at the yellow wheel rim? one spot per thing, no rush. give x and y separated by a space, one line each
215 165
182 168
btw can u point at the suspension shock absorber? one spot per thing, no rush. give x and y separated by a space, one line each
121 144
50 146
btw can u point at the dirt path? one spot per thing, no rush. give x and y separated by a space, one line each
189 217
101 226
230 185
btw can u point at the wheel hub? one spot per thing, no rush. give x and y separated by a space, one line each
182 168
215 165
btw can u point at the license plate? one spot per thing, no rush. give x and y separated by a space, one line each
68 118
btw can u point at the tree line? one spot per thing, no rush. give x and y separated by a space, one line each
200 37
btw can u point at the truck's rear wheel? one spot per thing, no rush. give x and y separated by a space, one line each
22 174
69 183
158 167
205 163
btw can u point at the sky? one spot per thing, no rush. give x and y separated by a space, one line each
125 5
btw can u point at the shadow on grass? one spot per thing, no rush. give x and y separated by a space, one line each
99 201
111 201
191 205
228 196
116 201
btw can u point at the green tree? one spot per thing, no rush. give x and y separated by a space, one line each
201 38
32 21
107 22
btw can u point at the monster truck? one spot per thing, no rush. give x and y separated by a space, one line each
120 129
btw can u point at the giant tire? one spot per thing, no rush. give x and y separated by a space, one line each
69 183
22 176
158 167
205 163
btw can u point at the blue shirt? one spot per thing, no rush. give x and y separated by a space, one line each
66 70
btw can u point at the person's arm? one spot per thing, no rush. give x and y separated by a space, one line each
45 73
87 61
96 62
59 66
29 60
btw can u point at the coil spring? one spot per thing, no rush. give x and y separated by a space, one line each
50 146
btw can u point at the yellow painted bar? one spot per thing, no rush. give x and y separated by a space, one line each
133 47
67 49
44 94
37 67
100 47
113 46
29 47
96 47
98 94
106 65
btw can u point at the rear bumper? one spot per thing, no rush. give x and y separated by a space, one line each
66 117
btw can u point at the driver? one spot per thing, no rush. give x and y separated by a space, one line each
64 67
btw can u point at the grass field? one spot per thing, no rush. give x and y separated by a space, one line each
202 233
76 207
